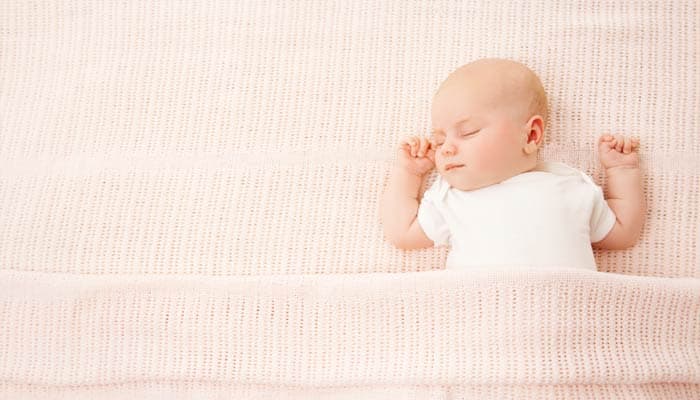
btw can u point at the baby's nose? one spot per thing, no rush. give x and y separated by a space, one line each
448 149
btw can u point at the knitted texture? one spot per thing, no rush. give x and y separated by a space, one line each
189 202
436 329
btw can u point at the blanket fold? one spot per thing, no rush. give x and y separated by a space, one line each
437 328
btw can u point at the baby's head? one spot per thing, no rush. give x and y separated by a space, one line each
489 117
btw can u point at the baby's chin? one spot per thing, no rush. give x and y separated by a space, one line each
464 180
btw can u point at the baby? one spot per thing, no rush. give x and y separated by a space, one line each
493 202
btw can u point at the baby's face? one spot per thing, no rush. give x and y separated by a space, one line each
478 136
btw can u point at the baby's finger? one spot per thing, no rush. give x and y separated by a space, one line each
627 147
412 146
406 148
407 145
605 147
423 146
431 155
619 142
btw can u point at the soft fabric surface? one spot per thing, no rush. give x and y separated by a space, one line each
189 202
436 329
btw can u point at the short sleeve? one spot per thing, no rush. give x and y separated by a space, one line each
602 217
431 219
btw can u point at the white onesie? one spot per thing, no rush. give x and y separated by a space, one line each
547 217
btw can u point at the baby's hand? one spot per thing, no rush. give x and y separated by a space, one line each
618 151
416 155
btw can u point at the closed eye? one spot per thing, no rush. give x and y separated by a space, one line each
438 144
470 133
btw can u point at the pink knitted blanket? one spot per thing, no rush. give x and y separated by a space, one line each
189 202
438 333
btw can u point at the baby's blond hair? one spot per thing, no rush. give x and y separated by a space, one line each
513 76
538 101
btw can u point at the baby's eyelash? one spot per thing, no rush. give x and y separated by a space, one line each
470 133
438 144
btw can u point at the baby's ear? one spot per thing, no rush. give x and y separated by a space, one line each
535 134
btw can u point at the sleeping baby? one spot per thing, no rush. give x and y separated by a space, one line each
493 202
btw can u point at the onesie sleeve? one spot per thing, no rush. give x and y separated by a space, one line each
602 218
431 219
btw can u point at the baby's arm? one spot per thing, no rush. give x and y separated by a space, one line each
619 157
399 203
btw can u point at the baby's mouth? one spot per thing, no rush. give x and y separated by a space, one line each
449 167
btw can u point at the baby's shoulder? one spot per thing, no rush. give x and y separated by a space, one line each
562 169
437 189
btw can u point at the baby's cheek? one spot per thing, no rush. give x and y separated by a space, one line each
482 158
491 154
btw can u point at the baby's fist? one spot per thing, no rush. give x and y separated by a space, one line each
618 151
416 155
